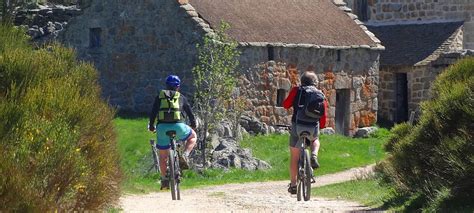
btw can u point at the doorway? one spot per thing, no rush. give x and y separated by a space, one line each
401 99
343 97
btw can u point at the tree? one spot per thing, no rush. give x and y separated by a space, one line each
214 79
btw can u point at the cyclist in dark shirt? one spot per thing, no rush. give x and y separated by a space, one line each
168 108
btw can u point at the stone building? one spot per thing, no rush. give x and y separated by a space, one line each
136 43
422 38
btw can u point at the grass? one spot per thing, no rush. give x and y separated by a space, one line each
372 193
337 153
368 192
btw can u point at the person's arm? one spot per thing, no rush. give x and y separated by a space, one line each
288 102
189 112
153 113
322 120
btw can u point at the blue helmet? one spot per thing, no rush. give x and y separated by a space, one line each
173 81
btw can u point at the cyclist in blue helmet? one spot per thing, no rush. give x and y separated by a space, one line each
168 108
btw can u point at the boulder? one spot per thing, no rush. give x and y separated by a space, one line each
229 155
328 131
253 126
365 132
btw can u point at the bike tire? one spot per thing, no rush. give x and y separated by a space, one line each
177 175
299 178
299 191
172 176
307 178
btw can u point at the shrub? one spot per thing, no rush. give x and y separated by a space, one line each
57 143
397 133
436 157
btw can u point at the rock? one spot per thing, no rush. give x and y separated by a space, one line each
328 131
243 131
365 132
281 130
227 144
271 129
253 125
229 155
214 141
228 131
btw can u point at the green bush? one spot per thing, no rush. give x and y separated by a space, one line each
57 142
435 158
397 133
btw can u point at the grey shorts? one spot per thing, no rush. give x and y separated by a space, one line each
297 129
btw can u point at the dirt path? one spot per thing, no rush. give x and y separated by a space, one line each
248 197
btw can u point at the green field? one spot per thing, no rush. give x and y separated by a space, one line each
337 153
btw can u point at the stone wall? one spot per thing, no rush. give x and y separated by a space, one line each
357 70
140 42
422 11
45 23
387 93
421 78
419 10
134 54
419 82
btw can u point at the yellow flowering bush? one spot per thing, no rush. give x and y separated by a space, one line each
57 143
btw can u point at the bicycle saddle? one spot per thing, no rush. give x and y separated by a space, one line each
171 133
304 134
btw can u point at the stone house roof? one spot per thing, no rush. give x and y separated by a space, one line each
415 44
303 23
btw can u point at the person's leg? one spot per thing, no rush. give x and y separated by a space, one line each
315 143
190 143
163 161
315 146
186 134
163 145
294 157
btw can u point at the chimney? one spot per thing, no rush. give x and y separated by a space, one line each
468 34
468 27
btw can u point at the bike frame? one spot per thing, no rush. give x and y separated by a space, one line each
156 159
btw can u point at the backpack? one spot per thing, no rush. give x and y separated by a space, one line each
169 111
313 107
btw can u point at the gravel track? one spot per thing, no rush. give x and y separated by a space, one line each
248 197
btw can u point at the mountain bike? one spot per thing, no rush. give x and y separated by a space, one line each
305 176
173 166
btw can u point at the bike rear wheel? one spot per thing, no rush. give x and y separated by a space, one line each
300 178
299 191
177 177
307 177
174 183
